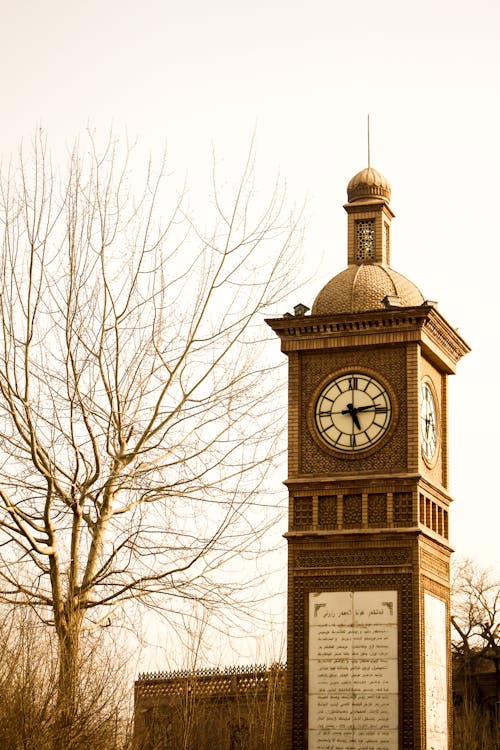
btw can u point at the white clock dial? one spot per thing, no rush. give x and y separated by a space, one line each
428 421
353 412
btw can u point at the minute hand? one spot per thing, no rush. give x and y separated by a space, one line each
356 409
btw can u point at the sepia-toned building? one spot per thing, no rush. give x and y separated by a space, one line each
369 658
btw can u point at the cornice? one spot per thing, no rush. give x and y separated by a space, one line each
444 336
320 483
422 323
306 326
363 478
369 204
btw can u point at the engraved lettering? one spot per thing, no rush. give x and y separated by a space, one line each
353 671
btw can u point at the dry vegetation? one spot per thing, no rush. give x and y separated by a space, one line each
28 691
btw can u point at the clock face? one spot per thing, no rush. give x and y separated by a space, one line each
428 421
353 412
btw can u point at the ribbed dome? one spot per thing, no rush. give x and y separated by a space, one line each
368 184
361 288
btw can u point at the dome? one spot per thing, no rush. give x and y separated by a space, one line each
368 184
362 288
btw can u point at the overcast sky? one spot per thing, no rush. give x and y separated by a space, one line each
304 74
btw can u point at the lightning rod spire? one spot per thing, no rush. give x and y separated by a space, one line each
368 138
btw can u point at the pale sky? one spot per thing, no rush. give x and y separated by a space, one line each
304 74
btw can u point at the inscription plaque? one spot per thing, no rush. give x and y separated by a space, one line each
353 670
436 682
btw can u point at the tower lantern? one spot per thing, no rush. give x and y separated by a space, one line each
368 533
368 231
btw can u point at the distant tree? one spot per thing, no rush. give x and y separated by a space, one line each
138 414
476 651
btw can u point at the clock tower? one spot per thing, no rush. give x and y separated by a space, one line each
368 542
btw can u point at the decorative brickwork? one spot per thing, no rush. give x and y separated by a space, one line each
352 512
327 512
302 512
402 509
367 508
352 558
377 510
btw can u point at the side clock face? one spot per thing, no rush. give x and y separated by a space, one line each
428 421
353 412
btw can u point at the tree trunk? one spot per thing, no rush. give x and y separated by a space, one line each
66 717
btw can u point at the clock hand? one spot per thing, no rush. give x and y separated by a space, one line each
357 409
428 426
354 414
330 413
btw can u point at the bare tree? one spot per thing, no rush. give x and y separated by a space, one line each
476 649
138 417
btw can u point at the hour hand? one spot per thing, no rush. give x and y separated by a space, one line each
354 414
